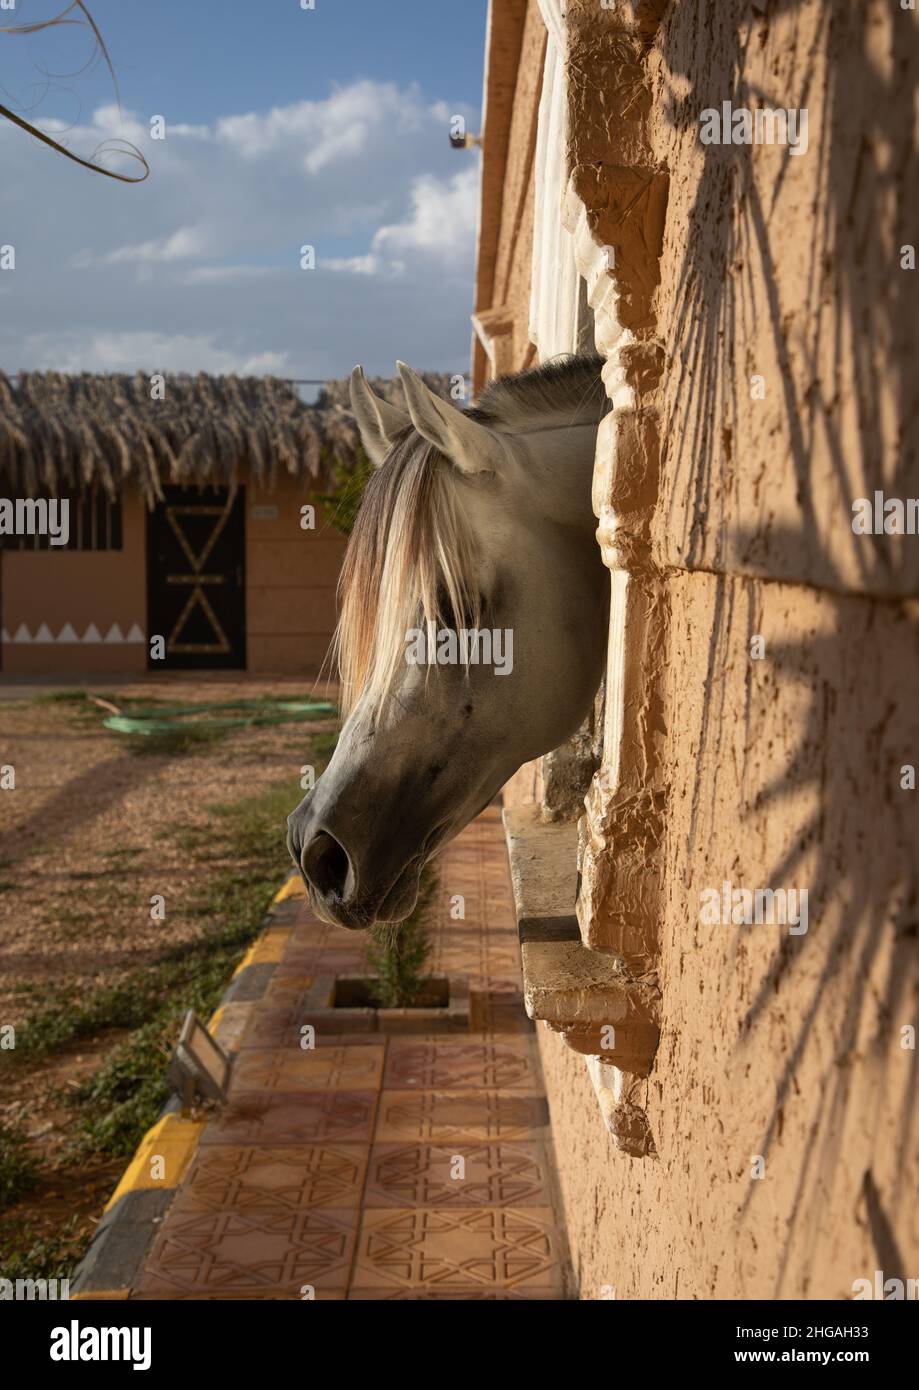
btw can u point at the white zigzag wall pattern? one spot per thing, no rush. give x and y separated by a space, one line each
67 634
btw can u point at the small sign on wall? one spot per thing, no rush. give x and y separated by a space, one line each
267 512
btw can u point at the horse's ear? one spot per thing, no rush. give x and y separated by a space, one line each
472 447
378 421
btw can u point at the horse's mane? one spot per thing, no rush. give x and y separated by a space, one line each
411 558
563 391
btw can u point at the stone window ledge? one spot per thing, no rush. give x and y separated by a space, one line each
587 996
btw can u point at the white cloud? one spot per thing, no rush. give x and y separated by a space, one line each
355 265
225 274
183 244
441 227
198 267
443 218
148 351
340 128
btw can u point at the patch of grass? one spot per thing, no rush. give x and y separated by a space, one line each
121 1100
18 1168
27 1255
189 836
7 886
60 697
323 745
120 851
192 739
68 917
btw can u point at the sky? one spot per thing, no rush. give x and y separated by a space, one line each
285 127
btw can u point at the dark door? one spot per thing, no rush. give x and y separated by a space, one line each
196 594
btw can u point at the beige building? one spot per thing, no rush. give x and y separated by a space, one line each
188 519
747 1127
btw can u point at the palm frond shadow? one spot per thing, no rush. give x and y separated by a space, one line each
855 320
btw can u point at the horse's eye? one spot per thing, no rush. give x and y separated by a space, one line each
450 618
445 609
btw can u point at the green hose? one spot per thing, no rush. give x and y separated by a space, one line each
170 719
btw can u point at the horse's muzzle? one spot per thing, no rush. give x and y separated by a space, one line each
327 871
340 891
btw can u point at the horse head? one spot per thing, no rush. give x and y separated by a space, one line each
472 628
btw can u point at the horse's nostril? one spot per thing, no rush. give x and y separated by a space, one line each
326 864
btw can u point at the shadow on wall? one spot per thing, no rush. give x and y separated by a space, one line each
859 319
855 848
868 162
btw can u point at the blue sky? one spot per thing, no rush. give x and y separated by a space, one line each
284 127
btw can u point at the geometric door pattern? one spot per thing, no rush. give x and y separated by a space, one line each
196 578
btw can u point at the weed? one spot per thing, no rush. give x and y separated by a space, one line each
18 1169
397 956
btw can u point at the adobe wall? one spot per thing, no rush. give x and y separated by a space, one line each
56 587
780 1053
291 577
516 49
784 773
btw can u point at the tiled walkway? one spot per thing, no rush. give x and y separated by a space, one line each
373 1167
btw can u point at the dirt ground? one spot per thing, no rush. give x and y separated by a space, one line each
92 831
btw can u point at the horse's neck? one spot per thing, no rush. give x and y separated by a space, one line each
560 461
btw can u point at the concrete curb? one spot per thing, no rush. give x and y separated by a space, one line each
123 1239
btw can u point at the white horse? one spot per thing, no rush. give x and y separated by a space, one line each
475 521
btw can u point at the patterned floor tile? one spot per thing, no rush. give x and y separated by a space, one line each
457 1175
484 1248
230 1252
273 1025
495 1015
283 1028
227 1177
307 1069
460 1065
465 1295
303 1118
263 1294
452 1117
325 960
314 1180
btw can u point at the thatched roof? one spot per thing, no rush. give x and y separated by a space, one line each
58 432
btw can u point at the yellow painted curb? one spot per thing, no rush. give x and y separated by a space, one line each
172 1139
293 887
267 949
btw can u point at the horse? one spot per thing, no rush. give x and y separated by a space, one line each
473 521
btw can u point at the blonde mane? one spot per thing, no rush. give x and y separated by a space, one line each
412 559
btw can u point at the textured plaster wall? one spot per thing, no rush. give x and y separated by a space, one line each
785 771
